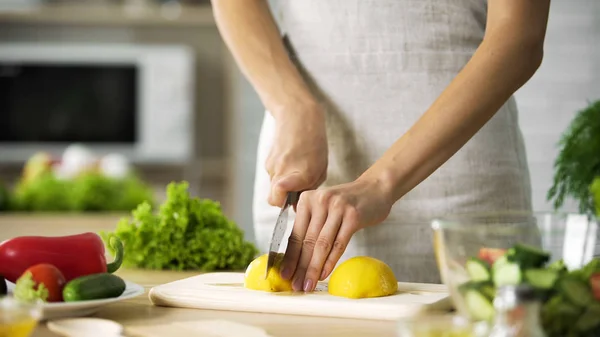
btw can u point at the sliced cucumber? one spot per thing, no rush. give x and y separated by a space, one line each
507 274
499 263
575 291
478 270
527 256
480 307
541 278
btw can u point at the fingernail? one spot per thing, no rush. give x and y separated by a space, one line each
308 285
286 273
297 285
323 273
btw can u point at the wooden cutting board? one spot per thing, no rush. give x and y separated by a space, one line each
225 291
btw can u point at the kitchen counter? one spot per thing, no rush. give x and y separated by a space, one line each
140 311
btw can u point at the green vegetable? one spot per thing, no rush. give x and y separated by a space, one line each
590 318
541 278
527 257
576 291
479 305
478 270
186 233
507 274
3 289
27 290
93 287
44 193
578 161
87 192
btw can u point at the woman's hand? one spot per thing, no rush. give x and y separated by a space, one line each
298 158
326 219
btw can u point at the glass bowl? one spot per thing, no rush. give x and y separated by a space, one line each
18 319
441 325
572 238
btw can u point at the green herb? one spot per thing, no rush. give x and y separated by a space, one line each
595 189
578 162
186 233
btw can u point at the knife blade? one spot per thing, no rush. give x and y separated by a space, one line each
279 230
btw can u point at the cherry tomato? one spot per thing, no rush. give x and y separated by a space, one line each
490 255
51 278
595 285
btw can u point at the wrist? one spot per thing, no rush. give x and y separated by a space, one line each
385 179
306 107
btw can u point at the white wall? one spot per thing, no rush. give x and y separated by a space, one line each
567 79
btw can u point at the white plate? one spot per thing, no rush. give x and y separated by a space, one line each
84 308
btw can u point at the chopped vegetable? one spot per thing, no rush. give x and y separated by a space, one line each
527 256
478 270
541 278
507 274
490 255
479 305
74 255
570 298
186 233
42 281
595 285
94 287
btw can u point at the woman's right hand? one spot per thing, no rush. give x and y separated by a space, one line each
298 157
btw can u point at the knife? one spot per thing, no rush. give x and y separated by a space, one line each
279 230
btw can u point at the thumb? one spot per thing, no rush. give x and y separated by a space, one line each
280 186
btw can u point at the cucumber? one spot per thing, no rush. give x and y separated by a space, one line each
527 256
541 278
3 289
507 274
485 288
478 270
480 307
575 291
93 287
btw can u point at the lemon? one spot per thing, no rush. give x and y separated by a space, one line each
255 275
362 277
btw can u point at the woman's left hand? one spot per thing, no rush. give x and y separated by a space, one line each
325 221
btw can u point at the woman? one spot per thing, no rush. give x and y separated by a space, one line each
394 110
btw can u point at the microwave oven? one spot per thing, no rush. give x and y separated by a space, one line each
130 99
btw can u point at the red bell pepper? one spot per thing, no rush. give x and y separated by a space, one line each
74 255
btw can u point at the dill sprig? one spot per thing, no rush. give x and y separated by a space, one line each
578 161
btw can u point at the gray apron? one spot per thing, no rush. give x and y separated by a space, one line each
377 66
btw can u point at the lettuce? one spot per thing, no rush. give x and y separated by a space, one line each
185 233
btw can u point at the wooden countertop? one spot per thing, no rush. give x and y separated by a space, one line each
140 311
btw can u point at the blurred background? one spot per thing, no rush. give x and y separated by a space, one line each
151 84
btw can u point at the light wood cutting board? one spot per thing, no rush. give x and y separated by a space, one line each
225 291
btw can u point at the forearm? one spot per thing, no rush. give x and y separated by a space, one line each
251 34
497 69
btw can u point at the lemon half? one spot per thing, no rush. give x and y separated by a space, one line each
254 277
362 277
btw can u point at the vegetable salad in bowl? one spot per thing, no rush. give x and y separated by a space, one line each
553 253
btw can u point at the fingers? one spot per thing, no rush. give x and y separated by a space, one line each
317 219
280 186
349 223
294 247
323 247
